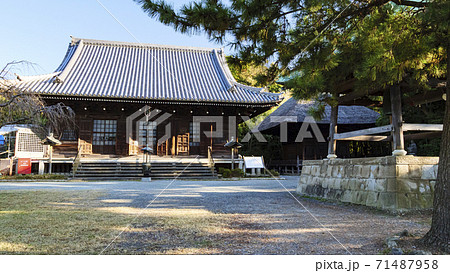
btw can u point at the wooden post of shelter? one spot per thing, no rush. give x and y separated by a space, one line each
333 131
211 136
11 165
50 159
397 121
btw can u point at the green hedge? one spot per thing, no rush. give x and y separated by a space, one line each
274 173
237 173
227 173
34 177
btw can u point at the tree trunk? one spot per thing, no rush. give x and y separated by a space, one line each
439 234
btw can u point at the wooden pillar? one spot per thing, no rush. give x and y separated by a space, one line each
397 121
167 147
50 159
11 165
232 158
333 131
173 148
41 167
303 151
211 137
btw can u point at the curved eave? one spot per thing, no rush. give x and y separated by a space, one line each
130 71
159 101
49 79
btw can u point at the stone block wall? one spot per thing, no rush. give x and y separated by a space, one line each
392 183
4 166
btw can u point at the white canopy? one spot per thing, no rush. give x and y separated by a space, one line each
13 128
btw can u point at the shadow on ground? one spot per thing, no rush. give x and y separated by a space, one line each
190 217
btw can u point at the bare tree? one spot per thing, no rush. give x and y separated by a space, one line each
23 106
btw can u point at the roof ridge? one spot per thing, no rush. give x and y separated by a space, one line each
248 86
73 58
37 77
222 68
145 45
232 81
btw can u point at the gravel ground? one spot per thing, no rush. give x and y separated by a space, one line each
260 217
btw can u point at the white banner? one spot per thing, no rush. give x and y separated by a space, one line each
251 162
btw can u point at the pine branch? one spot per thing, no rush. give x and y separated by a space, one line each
408 3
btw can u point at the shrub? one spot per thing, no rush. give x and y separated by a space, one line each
226 173
237 173
274 173
221 169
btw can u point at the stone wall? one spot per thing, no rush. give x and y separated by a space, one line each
392 183
4 166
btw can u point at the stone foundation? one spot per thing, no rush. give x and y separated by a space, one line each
392 183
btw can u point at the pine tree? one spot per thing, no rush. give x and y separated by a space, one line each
319 44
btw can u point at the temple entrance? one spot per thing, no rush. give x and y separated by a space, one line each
104 136
147 134
205 141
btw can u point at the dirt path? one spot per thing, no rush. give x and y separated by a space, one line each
237 217
262 218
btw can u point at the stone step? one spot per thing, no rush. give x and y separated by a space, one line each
102 178
106 169
160 170
102 175
110 165
181 170
140 168
138 178
184 177
109 171
140 171
139 163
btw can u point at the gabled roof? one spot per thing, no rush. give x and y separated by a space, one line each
118 70
292 108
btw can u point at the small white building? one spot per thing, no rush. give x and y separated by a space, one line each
22 142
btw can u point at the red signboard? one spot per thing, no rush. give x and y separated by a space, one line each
24 166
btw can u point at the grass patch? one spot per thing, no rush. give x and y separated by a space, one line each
85 222
54 222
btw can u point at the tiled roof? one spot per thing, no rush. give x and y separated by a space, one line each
299 109
118 70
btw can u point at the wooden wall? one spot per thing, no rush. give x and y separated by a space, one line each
181 116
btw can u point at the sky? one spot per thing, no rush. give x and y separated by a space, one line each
39 31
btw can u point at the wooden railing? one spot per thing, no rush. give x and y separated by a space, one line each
76 161
286 166
133 148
